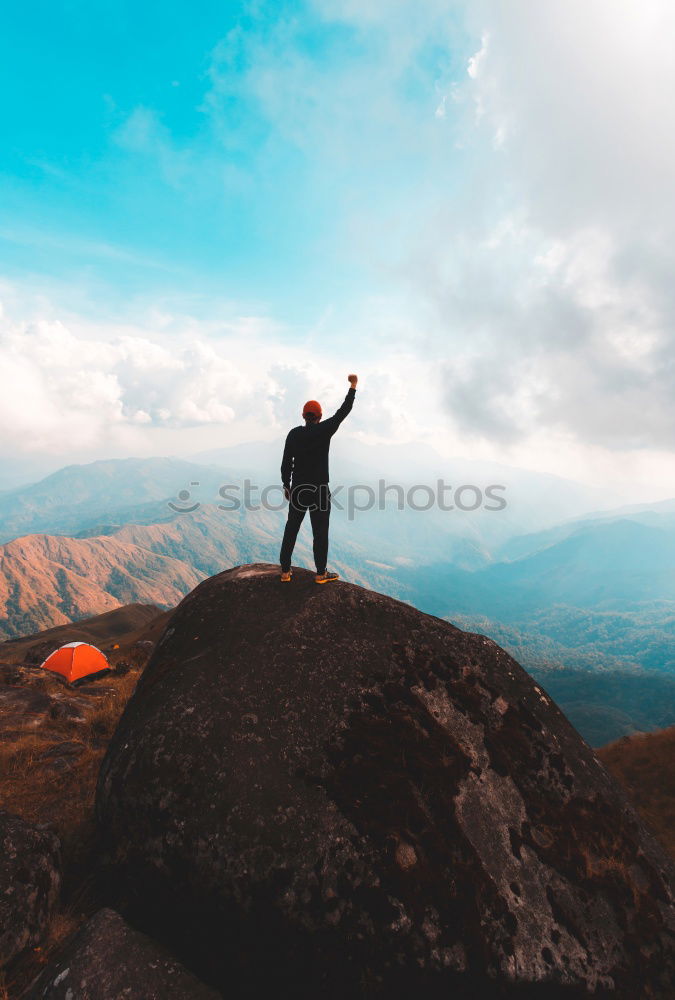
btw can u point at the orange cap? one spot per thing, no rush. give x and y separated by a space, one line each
311 406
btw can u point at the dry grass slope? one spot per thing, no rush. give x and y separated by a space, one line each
645 765
115 632
50 580
99 629
62 796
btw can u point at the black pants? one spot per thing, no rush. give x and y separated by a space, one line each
316 500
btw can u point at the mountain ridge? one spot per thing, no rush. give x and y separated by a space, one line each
48 580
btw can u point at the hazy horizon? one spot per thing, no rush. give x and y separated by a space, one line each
354 459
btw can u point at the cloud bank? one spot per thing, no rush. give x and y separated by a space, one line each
487 187
576 102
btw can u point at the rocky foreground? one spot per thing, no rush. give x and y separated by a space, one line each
52 738
319 791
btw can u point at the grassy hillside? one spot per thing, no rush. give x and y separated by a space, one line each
645 765
115 632
49 580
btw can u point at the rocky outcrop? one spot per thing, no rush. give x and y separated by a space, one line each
30 879
108 960
322 791
31 699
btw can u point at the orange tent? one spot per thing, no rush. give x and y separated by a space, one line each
76 660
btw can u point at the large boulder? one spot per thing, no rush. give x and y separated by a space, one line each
320 791
30 881
108 960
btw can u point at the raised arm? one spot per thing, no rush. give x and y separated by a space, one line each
332 423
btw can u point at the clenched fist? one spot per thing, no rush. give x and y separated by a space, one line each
353 379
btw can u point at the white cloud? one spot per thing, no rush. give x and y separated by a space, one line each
84 390
538 273
509 205
581 332
75 385
473 67
69 388
537 270
584 94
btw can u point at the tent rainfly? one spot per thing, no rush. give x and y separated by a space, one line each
76 660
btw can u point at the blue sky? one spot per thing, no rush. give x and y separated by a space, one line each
210 213
139 150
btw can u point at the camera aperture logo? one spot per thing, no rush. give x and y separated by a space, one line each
183 497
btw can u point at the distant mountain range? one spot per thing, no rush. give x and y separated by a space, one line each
102 494
115 491
588 595
604 588
48 580
606 565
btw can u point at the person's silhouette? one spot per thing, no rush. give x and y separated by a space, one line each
304 474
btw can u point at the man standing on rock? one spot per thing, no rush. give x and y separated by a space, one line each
305 462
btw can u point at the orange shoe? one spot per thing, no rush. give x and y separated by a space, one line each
326 577
286 577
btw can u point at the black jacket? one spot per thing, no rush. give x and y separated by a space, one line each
306 451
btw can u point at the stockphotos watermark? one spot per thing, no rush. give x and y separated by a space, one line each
356 498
